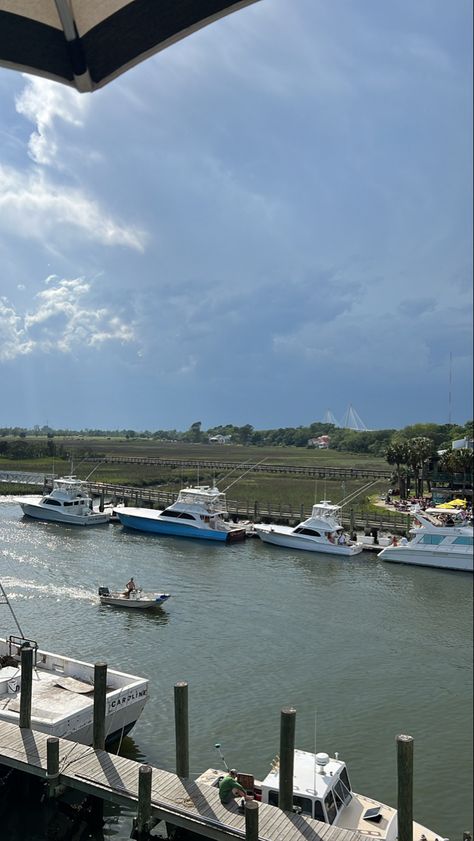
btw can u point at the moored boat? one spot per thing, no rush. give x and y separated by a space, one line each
322 790
198 512
63 694
322 532
440 538
68 502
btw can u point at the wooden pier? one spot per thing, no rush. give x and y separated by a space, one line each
176 800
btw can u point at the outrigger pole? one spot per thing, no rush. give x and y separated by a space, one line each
6 601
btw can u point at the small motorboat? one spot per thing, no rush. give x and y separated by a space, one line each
135 599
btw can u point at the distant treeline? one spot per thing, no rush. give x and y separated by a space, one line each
18 443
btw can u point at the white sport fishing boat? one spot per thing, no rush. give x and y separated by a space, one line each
68 502
441 538
136 599
322 790
322 532
198 512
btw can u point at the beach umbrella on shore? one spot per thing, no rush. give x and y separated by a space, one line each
87 43
453 503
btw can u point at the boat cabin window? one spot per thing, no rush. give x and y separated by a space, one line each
181 514
303 804
331 808
301 530
464 541
341 794
51 502
67 504
319 811
432 539
344 778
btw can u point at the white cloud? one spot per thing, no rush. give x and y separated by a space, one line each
33 207
65 320
43 103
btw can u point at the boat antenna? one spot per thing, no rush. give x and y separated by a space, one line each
218 749
244 474
230 472
6 601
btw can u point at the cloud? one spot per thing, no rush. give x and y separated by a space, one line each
64 321
43 103
32 207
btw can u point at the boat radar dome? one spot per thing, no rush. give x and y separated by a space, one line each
322 760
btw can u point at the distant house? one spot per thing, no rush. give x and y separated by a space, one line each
220 439
463 443
320 443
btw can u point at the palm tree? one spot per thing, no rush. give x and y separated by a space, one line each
419 452
463 460
397 453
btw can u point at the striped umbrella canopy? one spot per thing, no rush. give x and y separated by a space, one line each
86 43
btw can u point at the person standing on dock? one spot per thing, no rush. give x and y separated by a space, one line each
229 787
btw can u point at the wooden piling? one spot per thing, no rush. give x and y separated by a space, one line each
144 802
287 747
181 728
100 692
405 787
26 688
251 820
52 764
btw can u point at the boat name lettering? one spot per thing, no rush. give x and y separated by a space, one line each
132 696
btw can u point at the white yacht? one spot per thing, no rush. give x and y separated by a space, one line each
68 502
198 512
63 694
322 532
322 790
440 539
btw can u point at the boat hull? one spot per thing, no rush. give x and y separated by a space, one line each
154 525
134 604
305 543
458 562
39 512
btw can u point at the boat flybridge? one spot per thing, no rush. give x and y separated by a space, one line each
322 532
68 502
322 790
441 538
198 512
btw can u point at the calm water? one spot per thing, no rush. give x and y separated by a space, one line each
363 649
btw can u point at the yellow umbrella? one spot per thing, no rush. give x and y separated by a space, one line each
453 503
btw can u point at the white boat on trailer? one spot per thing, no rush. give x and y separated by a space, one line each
63 694
68 502
322 790
321 532
136 599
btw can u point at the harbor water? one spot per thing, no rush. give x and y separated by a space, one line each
364 650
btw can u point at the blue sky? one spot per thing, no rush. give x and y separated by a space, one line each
267 220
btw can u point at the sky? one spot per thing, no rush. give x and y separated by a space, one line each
267 221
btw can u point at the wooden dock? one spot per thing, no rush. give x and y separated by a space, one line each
178 801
